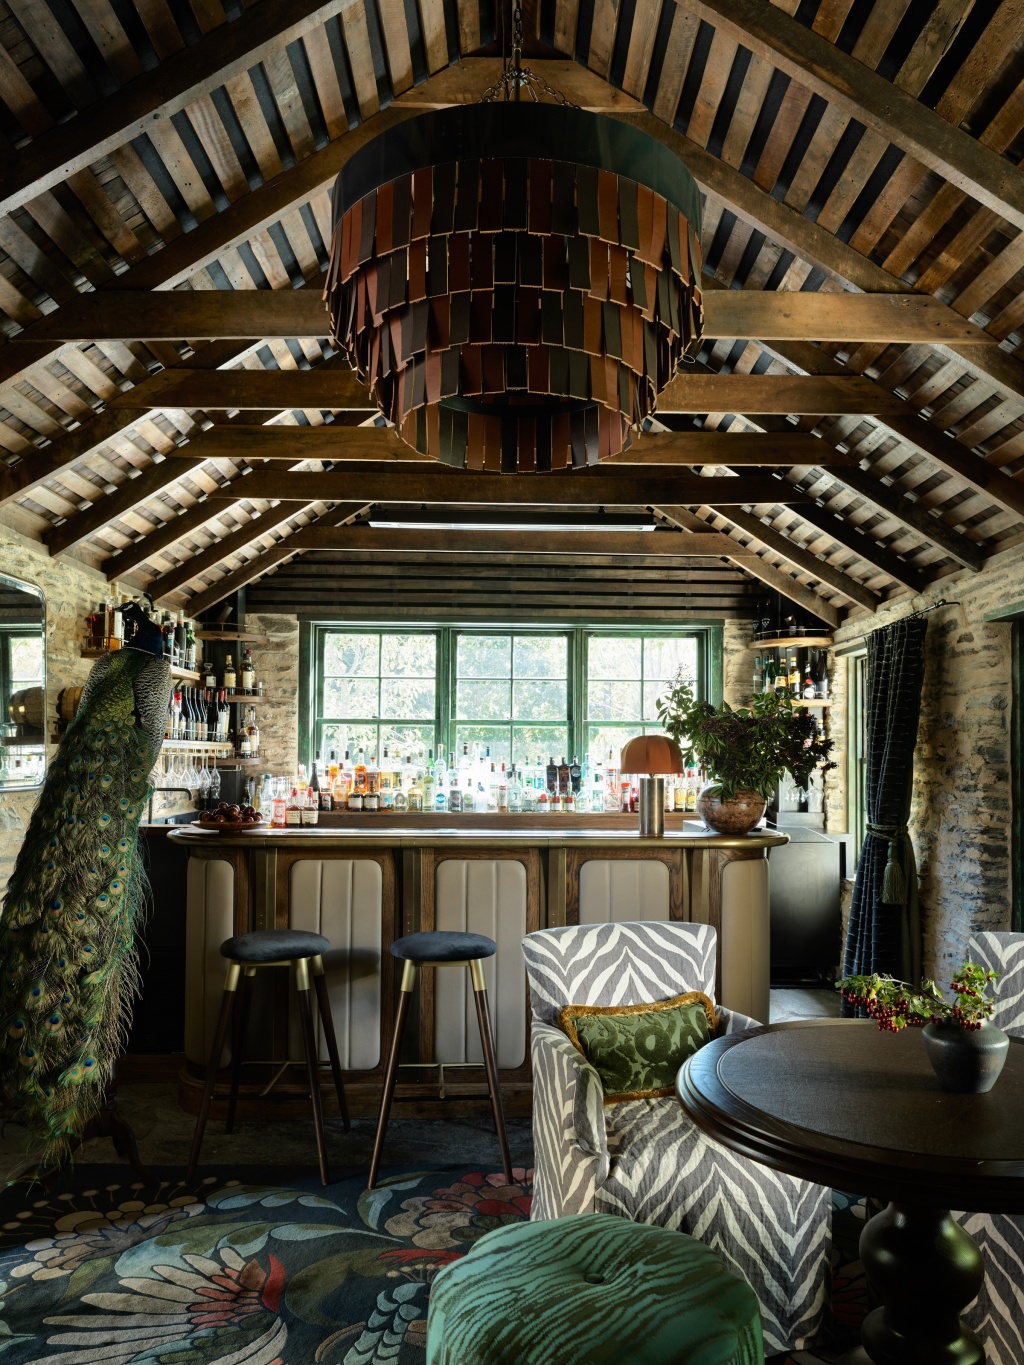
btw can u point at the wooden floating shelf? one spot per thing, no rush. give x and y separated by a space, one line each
11 742
793 642
232 635
202 746
799 704
182 674
239 762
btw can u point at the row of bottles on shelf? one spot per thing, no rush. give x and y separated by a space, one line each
202 715
798 673
106 628
477 782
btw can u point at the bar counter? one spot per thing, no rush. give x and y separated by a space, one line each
364 881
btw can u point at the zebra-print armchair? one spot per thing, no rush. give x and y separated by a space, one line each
997 1314
644 1159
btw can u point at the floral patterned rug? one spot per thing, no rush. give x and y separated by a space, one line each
262 1268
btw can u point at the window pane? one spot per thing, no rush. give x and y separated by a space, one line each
407 697
533 742
484 700
351 655
406 739
484 656
601 738
540 656
350 697
664 657
408 656
497 737
543 700
26 658
614 657
613 700
652 691
350 737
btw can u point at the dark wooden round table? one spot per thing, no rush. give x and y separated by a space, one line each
841 1104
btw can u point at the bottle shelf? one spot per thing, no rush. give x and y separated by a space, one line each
799 703
195 746
182 674
239 762
245 698
230 635
793 642
16 742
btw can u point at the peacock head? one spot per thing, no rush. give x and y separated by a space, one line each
143 634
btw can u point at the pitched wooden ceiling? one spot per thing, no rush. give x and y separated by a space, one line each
844 147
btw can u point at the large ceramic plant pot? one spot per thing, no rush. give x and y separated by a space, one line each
736 815
967 1061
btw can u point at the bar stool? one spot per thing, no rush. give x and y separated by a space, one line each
245 954
442 948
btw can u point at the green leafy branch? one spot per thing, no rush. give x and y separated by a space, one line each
895 1005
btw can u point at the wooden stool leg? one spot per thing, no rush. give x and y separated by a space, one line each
219 1034
312 1066
238 1042
326 1019
483 1018
404 996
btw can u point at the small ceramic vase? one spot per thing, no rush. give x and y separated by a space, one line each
736 815
965 1060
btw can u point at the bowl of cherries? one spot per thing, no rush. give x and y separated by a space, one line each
232 819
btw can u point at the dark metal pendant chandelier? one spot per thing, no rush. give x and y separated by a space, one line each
515 282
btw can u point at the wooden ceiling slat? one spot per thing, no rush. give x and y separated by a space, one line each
717 69
283 85
469 28
643 33
157 539
602 36
111 41
56 50
145 189
360 58
396 43
160 25
325 81
244 101
882 107
210 130
678 51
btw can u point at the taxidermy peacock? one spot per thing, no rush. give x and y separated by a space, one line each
67 935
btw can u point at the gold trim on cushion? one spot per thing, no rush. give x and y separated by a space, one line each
568 1013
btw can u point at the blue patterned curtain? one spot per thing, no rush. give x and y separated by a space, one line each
884 933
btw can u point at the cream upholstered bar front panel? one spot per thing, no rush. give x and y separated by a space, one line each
342 898
623 889
744 945
209 920
482 896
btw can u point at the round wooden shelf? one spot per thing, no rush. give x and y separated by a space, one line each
793 642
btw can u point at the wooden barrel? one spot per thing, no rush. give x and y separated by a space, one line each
68 701
28 708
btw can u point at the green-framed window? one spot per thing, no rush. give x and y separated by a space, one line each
527 691
856 750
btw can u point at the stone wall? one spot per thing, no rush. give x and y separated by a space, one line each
278 665
961 816
71 589
737 663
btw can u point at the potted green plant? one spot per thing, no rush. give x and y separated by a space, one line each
965 1048
745 750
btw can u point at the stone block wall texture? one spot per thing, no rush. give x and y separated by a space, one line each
278 665
71 590
961 819
737 663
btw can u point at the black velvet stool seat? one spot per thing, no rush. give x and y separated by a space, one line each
302 952
442 948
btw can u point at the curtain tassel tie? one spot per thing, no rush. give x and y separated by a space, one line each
894 883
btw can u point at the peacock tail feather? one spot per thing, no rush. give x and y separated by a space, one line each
67 932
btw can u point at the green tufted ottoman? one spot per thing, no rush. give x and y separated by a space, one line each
591 1289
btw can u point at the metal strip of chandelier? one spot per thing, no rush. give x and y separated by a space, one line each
515 282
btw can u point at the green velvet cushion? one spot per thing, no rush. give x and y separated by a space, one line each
638 1049
591 1289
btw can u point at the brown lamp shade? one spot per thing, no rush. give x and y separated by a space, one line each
651 754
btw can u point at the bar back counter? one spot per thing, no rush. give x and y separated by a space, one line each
363 885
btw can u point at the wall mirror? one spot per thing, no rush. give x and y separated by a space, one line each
23 717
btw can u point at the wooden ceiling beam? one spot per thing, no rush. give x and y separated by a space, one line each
804 597
653 544
256 313
864 546
335 442
584 490
340 389
226 51
878 104
797 555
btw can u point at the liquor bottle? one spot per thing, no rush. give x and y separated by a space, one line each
428 785
794 676
230 677
310 807
355 794
243 749
279 806
191 647
371 794
575 775
248 673
808 689
758 675
515 792
342 785
314 780
692 788
415 797
551 775
359 773
212 717
223 716
821 676
454 792
265 805
563 777
501 792
441 771
293 814
210 675
386 783
332 770
469 793
254 734
612 790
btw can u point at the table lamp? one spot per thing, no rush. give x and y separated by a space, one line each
651 757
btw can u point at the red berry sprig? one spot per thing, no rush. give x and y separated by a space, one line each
895 1005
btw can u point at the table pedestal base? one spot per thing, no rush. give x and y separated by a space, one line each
925 1269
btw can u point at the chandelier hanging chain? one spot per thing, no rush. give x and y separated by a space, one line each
515 78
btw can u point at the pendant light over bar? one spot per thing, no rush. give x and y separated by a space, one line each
515 282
